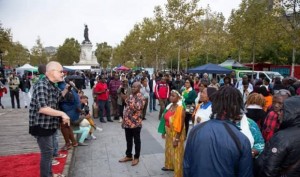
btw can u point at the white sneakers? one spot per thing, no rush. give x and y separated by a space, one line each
93 136
99 129
120 120
55 162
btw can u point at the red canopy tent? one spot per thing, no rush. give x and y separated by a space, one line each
123 68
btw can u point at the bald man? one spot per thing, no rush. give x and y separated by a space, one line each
132 123
44 116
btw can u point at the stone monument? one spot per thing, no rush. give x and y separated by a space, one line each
87 56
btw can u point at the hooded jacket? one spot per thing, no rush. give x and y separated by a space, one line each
281 156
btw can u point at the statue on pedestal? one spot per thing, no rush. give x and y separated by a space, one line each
86 35
87 55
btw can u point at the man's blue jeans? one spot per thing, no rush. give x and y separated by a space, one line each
55 143
46 147
152 102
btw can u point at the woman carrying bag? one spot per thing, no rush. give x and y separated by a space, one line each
189 96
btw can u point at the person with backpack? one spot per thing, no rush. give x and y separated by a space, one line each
162 91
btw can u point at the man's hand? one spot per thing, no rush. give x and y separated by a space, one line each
65 119
175 143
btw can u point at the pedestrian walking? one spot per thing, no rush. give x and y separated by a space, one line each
14 83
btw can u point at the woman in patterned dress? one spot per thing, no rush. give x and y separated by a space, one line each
172 129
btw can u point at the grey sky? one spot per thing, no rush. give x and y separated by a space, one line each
108 20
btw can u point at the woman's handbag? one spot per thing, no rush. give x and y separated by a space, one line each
190 109
95 110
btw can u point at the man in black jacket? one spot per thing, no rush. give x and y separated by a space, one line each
281 156
25 87
152 103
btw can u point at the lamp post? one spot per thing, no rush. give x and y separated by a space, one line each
1 67
141 58
1 55
188 64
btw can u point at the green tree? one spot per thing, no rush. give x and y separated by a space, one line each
38 54
181 14
17 55
290 10
249 29
5 42
104 53
69 52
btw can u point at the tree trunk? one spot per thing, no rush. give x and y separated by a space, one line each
253 58
156 58
239 54
178 62
293 62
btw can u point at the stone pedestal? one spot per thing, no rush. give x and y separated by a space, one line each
87 56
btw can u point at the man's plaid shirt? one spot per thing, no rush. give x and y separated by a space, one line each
270 126
45 94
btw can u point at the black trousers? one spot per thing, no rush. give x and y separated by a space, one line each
121 109
14 93
133 134
188 117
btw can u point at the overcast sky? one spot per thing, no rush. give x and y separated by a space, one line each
108 20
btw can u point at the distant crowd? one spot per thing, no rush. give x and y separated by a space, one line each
213 125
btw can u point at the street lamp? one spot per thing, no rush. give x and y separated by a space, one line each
1 67
141 58
1 54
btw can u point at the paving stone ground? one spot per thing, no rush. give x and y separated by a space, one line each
100 158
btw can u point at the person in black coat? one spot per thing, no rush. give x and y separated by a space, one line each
25 87
281 156
152 103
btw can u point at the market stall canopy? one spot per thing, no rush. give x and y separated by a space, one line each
67 69
210 68
137 68
78 67
232 64
26 67
123 68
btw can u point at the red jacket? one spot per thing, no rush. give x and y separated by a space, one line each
3 90
162 90
99 88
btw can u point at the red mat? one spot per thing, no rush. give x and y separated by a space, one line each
26 165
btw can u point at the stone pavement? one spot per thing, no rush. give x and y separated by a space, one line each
14 136
100 158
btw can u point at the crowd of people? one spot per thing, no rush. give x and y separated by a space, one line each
212 126
238 127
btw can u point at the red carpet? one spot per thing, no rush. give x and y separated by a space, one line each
26 165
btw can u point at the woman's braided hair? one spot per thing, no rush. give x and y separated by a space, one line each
227 103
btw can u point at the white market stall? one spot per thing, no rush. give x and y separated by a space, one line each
26 67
